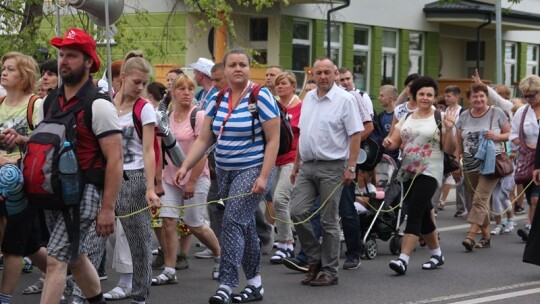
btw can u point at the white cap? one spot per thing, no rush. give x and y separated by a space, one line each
203 65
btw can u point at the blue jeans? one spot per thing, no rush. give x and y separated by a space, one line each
316 225
350 222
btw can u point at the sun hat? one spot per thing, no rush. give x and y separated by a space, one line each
80 40
203 65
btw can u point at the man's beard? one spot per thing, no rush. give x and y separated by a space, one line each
73 76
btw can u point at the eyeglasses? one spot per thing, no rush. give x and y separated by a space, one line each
529 97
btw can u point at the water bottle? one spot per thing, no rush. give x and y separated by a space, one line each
69 178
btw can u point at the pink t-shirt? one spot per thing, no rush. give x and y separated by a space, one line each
185 137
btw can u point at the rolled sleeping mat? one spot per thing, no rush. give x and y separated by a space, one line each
11 188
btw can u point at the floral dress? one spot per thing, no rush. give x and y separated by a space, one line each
421 148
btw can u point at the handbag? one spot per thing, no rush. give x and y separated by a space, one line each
450 164
525 156
503 163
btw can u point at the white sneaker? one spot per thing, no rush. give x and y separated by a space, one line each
204 254
498 230
510 225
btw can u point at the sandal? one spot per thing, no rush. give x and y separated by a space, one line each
249 294
170 278
468 243
441 205
118 293
215 273
37 287
280 255
222 296
483 243
434 262
399 266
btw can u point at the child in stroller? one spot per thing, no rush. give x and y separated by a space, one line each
379 209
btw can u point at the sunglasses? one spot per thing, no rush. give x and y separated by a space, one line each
529 97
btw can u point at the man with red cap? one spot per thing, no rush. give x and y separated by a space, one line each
77 60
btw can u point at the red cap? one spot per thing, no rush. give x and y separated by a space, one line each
78 39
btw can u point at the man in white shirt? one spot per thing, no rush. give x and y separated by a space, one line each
330 131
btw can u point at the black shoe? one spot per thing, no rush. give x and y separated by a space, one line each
519 210
399 266
102 275
295 264
351 263
523 234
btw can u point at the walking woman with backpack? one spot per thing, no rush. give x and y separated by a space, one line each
421 172
138 189
244 159
186 123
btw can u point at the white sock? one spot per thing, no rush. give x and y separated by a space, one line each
255 281
217 262
404 257
290 246
437 251
170 270
281 245
226 287
126 279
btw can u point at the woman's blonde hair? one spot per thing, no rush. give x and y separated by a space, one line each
530 83
182 80
28 68
518 103
288 75
134 60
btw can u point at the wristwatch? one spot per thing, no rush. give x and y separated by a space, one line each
352 169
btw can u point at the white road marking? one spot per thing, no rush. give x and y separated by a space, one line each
483 292
465 226
500 296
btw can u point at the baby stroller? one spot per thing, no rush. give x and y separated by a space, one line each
381 218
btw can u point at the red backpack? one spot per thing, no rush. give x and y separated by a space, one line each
137 122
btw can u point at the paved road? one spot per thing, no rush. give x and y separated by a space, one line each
494 275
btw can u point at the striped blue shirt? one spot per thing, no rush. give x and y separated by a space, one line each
235 150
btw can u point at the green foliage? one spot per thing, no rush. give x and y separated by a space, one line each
218 12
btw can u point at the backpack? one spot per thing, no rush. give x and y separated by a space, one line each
373 147
40 164
286 136
137 123
29 110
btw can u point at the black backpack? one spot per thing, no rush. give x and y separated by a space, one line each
286 136
373 147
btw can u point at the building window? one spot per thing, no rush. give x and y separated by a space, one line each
360 67
301 55
532 59
389 57
510 63
335 42
258 39
471 53
416 53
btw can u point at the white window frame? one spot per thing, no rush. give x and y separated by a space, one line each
532 65
392 51
510 63
300 74
335 45
367 50
419 53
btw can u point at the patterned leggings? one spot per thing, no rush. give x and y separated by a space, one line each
138 231
239 240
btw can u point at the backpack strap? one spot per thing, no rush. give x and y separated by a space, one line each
193 117
438 120
137 113
219 99
29 110
253 97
